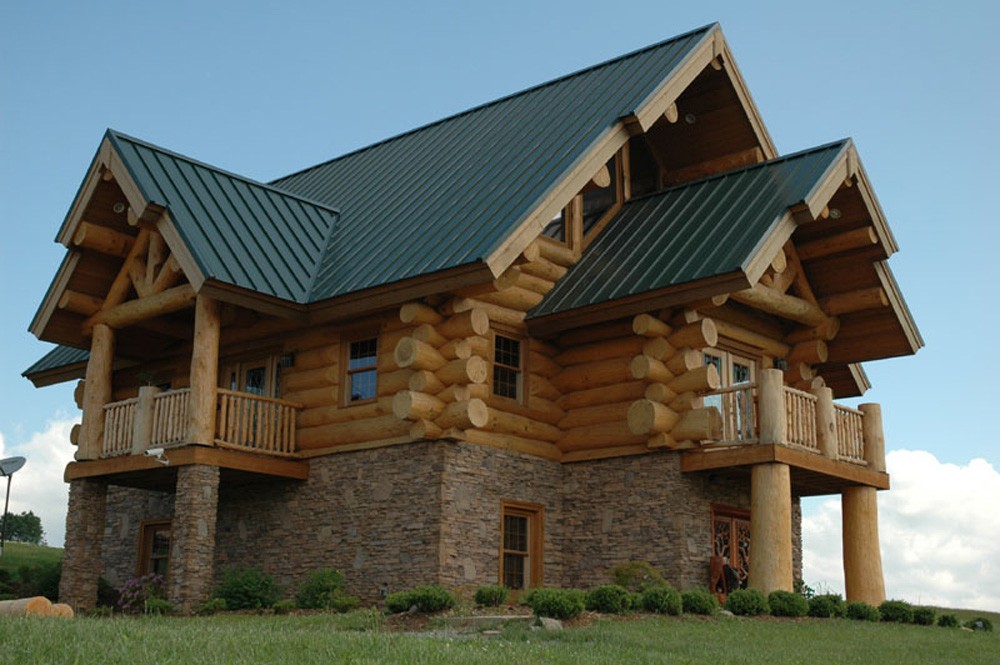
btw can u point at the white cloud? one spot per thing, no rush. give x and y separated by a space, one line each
39 485
938 528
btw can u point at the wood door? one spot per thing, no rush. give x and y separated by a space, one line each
731 543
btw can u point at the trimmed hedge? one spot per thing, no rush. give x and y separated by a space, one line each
924 616
635 575
662 599
827 606
609 599
247 589
699 601
862 611
556 603
747 602
896 611
492 596
324 590
427 599
787 604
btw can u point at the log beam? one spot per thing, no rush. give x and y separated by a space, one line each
855 301
854 239
103 239
780 304
134 311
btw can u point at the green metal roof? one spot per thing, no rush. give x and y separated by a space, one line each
239 231
451 192
59 357
690 232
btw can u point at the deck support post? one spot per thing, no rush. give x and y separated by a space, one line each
826 423
204 372
96 392
772 406
771 527
142 426
81 561
862 559
192 546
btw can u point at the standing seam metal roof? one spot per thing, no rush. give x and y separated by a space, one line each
239 231
449 193
691 232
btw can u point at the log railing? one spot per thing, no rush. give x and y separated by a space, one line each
243 421
252 422
119 423
800 419
850 434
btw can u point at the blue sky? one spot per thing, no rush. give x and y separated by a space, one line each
266 88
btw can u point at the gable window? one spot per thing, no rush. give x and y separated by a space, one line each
508 370
599 201
556 228
520 545
362 370
154 547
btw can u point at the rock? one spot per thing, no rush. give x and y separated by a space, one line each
548 623
726 613
490 633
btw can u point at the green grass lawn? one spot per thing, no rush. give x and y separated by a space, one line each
360 638
16 555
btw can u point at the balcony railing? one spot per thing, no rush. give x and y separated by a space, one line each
243 421
802 422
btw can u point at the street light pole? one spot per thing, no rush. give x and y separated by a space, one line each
7 468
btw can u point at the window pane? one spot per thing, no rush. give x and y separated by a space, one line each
505 382
515 533
362 385
513 571
508 352
643 168
363 354
254 379
161 542
556 228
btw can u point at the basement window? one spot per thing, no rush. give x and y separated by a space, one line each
508 371
154 548
362 373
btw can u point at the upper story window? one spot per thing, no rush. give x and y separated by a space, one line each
362 373
508 369
556 228
598 201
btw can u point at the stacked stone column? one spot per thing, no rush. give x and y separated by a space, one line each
192 546
81 562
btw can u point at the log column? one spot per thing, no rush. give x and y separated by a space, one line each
826 422
771 393
771 527
142 427
204 372
81 561
871 433
862 559
192 546
97 391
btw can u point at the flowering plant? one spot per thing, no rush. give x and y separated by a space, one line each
137 591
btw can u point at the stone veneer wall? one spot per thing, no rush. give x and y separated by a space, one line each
430 512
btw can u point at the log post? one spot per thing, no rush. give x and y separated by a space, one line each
826 424
142 426
204 371
872 435
97 391
862 559
771 527
772 406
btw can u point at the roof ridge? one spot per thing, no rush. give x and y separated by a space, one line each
749 167
494 102
116 136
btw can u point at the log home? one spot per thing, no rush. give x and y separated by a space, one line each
597 320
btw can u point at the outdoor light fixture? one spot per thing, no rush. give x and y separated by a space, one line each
118 207
690 118
834 213
7 468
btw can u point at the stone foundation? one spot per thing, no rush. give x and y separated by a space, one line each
81 562
391 518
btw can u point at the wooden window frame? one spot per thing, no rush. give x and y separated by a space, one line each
238 363
345 361
535 513
620 181
522 370
145 546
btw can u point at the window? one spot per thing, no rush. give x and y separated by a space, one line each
507 369
556 228
736 406
520 545
598 201
362 370
154 547
256 376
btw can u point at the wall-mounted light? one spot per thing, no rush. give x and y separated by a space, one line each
835 213
119 208
690 118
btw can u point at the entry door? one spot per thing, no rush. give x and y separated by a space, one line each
731 542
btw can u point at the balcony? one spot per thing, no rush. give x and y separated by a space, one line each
244 422
828 445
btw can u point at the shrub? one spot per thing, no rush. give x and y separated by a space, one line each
896 611
699 601
826 606
980 623
747 602
924 616
948 621
324 590
662 599
247 589
159 606
40 580
787 604
284 606
492 596
107 595
800 587
635 575
212 606
556 603
427 599
862 611
136 593
609 599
